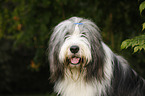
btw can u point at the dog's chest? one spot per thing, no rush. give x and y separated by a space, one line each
75 88
79 87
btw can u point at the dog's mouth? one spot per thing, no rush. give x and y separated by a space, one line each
75 60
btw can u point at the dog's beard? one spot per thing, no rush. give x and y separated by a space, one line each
75 67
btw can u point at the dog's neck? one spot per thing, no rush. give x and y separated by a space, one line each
75 74
74 84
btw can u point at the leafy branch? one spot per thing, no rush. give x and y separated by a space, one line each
138 42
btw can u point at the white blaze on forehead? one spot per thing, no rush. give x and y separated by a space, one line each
75 39
77 30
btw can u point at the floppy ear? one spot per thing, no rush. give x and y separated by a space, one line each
95 67
56 68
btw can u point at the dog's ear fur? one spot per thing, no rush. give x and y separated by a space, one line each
56 68
95 67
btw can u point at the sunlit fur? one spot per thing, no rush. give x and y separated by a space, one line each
100 72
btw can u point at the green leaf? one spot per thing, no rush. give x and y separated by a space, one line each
142 7
137 43
134 42
135 49
143 46
125 44
143 26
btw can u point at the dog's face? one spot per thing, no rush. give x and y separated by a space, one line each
76 49
75 44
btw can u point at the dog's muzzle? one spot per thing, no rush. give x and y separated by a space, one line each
75 59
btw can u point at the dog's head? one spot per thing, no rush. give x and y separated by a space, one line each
76 49
75 43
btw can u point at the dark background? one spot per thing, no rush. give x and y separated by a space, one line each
26 26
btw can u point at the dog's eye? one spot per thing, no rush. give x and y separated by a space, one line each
66 35
83 35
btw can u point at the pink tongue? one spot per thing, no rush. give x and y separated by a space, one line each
75 60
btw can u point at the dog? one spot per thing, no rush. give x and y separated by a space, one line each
81 64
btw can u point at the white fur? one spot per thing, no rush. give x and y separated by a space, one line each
108 67
79 87
76 39
93 79
73 83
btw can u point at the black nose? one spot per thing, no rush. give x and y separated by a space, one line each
74 49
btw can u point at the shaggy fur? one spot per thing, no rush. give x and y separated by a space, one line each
81 64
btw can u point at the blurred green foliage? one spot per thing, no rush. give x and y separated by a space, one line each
138 42
142 7
26 25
